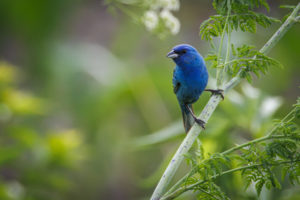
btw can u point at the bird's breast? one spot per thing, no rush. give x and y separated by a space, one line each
196 78
193 83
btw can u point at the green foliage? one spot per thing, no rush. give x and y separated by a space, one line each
241 17
248 60
238 6
245 60
258 160
237 15
214 26
265 157
210 191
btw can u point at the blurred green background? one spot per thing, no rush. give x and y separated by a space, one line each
87 109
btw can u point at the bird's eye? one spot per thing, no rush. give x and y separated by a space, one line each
183 51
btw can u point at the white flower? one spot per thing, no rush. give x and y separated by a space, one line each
150 20
170 21
269 106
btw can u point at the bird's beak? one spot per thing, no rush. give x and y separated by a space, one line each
172 54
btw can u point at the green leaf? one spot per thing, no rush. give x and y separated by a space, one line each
284 172
276 183
259 185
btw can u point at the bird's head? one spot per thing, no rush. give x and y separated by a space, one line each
185 54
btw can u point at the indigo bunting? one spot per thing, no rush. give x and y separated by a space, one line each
190 78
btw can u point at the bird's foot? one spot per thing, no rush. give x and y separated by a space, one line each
197 120
216 92
200 122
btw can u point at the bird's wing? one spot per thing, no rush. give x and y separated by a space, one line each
176 83
176 87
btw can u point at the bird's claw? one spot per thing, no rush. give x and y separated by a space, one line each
216 92
200 123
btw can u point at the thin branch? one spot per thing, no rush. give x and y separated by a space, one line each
254 142
268 137
207 193
238 60
190 187
209 109
227 52
228 45
282 121
219 74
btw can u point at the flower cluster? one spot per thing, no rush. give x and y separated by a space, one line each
159 13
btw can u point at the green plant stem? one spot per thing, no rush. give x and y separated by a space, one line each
219 73
209 109
177 185
190 187
240 60
184 148
281 31
228 45
270 137
227 51
283 120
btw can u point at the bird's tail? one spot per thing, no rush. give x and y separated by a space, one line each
188 119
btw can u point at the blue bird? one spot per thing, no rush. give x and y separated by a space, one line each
190 78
